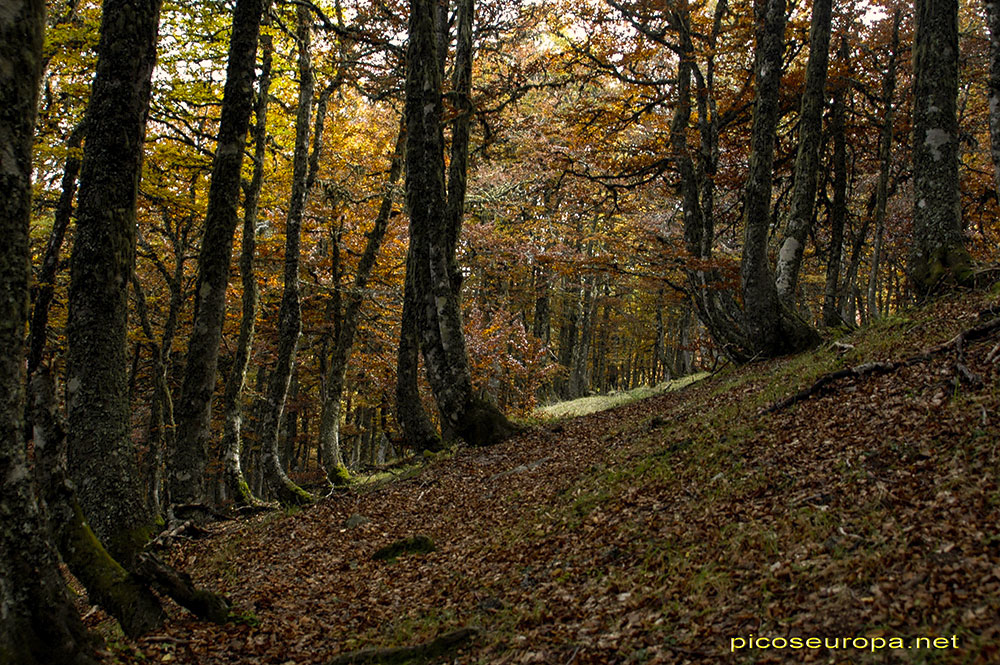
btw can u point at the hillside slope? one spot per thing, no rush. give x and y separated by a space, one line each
663 531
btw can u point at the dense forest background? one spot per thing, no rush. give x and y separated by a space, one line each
286 209
572 251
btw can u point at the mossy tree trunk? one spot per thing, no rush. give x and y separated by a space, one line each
938 257
194 407
102 458
232 440
38 623
807 157
435 222
290 313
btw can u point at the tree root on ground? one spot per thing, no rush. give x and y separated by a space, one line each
436 647
956 344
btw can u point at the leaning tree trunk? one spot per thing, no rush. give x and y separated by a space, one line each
329 431
807 158
884 158
290 313
232 441
101 455
434 226
44 287
194 407
938 256
38 624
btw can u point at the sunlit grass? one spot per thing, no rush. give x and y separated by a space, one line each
595 403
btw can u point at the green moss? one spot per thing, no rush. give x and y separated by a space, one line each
412 545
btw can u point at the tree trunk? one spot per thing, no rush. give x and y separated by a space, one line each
884 157
435 221
101 455
807 159
838 211
232 441
194 408
771 328
44 287
290 312
938 256
329 433
38 624
993 23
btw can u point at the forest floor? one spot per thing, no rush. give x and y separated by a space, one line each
660 531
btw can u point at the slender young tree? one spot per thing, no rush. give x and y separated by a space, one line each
102 458
938 256
329 431
232 441
38 624
993 23
290 312
838 211
194 407
885 162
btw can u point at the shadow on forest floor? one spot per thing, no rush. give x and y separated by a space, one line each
661 531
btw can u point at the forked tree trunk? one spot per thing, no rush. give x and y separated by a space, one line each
194 407
101 455
938 257
38 624
435 219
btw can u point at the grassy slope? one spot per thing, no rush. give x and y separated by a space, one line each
658 531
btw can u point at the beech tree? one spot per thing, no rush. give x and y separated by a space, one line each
435 223
194 407
938 256
38 623
101 456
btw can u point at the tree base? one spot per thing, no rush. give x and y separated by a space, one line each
483 424
945 268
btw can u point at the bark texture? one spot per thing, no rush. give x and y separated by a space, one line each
194 408
102 458
993 23
38 624
807 158
938 257
290 313
232 440
435 218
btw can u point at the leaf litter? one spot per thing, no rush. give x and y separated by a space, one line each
654 532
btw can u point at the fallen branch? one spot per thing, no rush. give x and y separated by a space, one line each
956 343
436 647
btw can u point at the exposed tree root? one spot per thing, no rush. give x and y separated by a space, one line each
436 647
956 344
178 585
